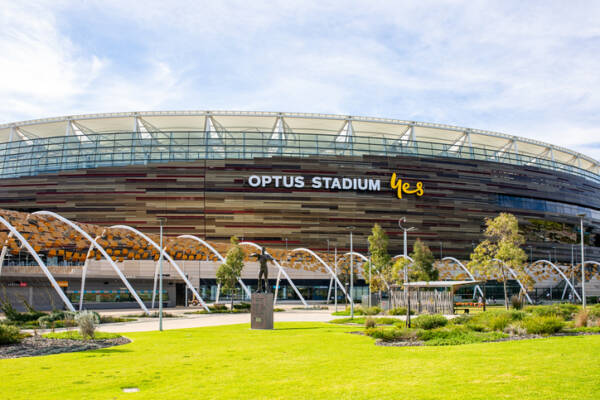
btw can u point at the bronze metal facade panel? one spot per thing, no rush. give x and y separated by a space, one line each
213 199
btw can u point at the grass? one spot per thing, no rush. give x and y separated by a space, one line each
75 335
307 361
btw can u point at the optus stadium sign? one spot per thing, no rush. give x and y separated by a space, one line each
334 183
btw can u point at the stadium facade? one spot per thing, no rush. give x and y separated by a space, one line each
287 180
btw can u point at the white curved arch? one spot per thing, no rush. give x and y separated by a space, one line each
464 269
593 263
37 258
402 255
560 273
365 259
215 252
167 256
309 251
280 269
102 251
4 251
516 278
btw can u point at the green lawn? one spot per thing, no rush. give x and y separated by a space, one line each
307 361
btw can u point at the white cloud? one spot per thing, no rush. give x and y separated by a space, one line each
522 68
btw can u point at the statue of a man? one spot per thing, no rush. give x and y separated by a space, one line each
263 273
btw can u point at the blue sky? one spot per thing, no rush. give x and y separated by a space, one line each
526 68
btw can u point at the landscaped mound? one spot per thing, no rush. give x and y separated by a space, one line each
496 325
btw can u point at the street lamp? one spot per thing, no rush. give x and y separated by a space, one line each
370 279
581 217
161 221
351 228
406 294
335 280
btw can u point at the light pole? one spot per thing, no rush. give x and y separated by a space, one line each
369 280
406 293
530 254
583 302
335 273
160 277
351 228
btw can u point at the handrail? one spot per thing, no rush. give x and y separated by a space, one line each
34 156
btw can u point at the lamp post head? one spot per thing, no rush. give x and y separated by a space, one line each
582 215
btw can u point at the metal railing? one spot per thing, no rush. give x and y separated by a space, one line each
46 155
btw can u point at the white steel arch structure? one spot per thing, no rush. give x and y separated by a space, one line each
365 259
102 251
284 126
167 256
516 278
39 261
559 272
309 251
461 265
409 258
84 273
280 270
215 252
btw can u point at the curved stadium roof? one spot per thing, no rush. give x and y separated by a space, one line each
281 126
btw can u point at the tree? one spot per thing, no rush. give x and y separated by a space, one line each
423 268
381 268
499 251
229 272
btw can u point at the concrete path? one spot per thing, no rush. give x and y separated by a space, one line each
202 320
291 314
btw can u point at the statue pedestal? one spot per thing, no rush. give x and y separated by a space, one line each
261 311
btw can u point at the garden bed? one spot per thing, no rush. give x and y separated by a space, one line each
40 346
410 343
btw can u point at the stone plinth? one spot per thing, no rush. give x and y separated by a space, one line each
261 311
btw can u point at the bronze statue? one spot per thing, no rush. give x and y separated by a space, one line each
263 273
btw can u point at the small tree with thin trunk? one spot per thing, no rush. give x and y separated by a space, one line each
499 251
381 268
230 271
423 264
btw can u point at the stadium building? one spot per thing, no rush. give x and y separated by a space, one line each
280 180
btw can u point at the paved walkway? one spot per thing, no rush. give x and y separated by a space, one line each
201 320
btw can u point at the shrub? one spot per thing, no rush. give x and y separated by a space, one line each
462 319
242 306
55 316
9 334
515 329
370 322
13 315
564 310
496 320
454 335
218 307
581 318
499 322
86 320
397 311
370 310
516 302
430 321
543 325
393 334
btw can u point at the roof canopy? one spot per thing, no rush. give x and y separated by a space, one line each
153 122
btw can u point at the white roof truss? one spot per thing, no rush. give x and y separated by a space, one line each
396 132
